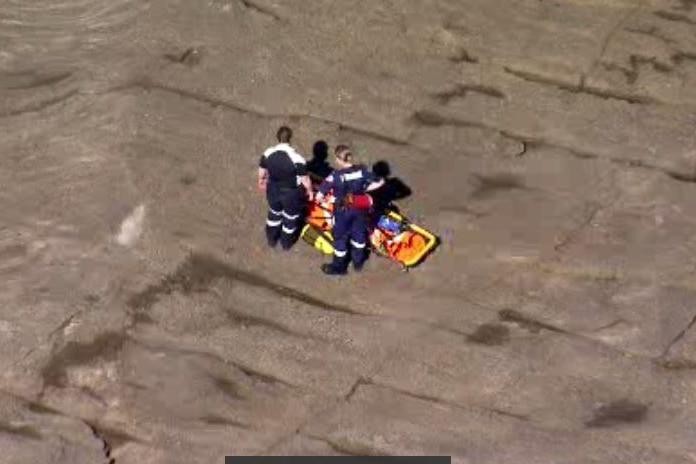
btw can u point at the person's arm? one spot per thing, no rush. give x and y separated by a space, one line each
307 182
263 174
324 187
375 182
303 174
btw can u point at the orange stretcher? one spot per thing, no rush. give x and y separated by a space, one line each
393 236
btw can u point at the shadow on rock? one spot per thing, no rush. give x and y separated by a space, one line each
618 412
490 334
393 190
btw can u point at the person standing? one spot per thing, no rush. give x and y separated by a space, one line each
351 224
283 176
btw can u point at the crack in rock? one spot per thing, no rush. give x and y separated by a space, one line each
534 326
679 336
451 404
429 118
212 419
36 80
569 237
24 431
148 85
106 448
635 63
580 88
675 17
463 56
254 6
40 106
654 32
462 90
362 381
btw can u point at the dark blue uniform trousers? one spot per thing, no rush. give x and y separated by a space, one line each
350 227
285 205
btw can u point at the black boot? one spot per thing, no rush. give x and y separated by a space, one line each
330 269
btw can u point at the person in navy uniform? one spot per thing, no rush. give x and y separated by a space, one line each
351 224
283 176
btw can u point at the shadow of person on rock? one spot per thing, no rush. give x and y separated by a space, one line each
393 189
318 167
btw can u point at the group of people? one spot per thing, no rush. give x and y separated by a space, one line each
285 179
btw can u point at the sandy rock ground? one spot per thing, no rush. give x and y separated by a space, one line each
550 144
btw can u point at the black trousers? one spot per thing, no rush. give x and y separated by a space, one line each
285 207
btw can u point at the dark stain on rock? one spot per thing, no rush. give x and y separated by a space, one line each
463 56
491 184
462 90
490 334
40 106
92 299
187 179
580 87
528 323
229 388
141 317
212 419
39 408
653 32
679 57
635 62
13 251
22 431
508 414
239 318
428 118
105 347
687 5
676 17
197 274
33 80
618 412
190 57
676 364
350 448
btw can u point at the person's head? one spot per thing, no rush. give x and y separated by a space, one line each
321 150
344 157
381 169
284 134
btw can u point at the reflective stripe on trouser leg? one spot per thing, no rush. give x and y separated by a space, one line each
290 217
274 218
273 223
358 239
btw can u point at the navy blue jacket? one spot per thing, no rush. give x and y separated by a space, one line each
354 179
